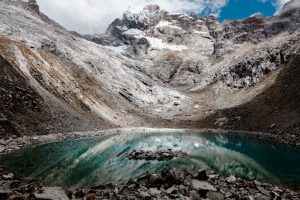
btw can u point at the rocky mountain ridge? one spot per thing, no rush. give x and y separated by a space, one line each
142 34
151 68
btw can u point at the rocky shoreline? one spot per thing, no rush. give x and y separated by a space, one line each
170 183
14 143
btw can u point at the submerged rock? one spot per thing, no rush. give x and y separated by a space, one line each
159 155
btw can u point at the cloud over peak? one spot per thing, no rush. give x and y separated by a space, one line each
94 16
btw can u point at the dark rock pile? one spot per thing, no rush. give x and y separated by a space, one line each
189 184
185 184
162 154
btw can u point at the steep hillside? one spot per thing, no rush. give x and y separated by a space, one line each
81 85
276 110
27 107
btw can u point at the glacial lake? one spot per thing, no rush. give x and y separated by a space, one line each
100 160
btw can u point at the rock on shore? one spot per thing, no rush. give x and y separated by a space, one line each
171 183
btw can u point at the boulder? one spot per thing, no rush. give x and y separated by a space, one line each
9 176
4 194
154 191
53 193
202 186
231 179
200 175
145 195
172 190
194 195
215 196
264 191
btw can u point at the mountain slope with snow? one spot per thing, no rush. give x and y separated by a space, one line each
151 68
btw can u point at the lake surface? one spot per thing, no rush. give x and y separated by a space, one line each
100 160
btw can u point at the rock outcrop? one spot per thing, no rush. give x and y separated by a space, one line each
237 54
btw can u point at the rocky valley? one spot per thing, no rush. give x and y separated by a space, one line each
153 69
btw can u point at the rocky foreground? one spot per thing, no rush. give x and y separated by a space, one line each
185 184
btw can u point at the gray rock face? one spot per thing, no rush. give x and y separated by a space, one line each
149 16
34 6
291 11
221 43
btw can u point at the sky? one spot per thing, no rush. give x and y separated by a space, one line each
94 16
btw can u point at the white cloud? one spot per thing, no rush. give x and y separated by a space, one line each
278 4
293 4
94 16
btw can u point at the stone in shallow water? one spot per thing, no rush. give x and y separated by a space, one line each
9 176
53 193
231 179
264 191
202 186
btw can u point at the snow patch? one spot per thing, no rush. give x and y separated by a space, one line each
159 44
135 33
135 9
154 42
257 14
162 24
119 49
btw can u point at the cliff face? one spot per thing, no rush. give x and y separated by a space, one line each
150 68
